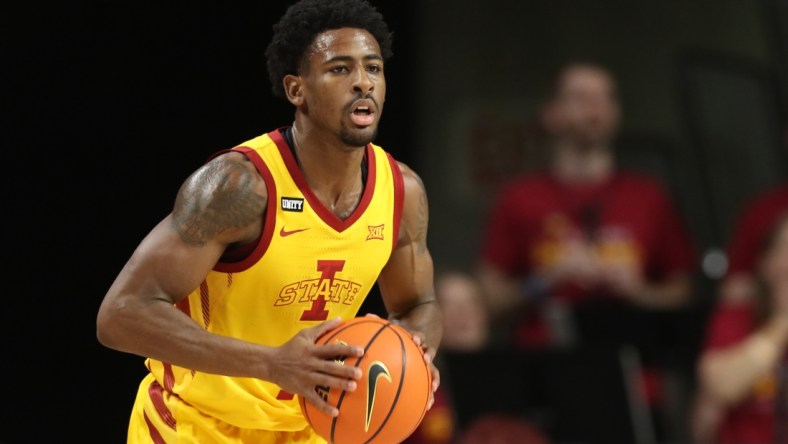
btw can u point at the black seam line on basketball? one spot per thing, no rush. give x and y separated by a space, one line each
358 362
399 386
306 411
424 410
345 327
330 337
429 390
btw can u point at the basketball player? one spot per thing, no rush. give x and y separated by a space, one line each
270 243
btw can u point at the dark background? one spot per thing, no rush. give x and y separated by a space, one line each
108 106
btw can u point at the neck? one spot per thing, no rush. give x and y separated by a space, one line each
582 165
331 169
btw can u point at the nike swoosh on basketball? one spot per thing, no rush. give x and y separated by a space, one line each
376 370
285 233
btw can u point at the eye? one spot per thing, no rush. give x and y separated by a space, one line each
339 69
374 69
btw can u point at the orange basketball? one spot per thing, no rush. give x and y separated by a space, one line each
392 395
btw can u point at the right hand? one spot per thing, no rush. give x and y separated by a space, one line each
300 364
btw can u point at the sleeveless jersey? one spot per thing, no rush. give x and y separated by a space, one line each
308 266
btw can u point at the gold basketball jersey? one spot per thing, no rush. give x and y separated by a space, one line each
308 266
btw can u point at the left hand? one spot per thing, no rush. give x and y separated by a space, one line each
418 339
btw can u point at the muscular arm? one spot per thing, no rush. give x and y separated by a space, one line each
406 282
222 204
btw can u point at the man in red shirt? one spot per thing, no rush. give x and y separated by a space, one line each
584 252
583 229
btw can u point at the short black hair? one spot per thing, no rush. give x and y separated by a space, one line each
304 20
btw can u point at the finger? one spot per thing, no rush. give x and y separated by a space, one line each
436 379
338 370
334 382
371 315
332 351
321 405
419 340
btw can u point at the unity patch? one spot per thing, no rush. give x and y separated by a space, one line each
295 204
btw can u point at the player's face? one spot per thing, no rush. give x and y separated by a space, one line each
586 107
344 85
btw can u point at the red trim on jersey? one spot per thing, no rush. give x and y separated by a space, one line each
183 305
155 436
205 303
328 217
156 394
169 377
399 197
284 396
270 216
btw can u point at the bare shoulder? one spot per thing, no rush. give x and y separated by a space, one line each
414 186
224 200
415 214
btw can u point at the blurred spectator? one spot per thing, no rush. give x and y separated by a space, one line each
465 320
502 429
756 220
743 367
465 329
584 252
582 229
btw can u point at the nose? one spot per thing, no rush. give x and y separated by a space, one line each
363 83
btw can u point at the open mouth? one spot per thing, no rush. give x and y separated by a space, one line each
362 114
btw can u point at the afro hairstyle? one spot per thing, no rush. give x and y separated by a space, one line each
303 21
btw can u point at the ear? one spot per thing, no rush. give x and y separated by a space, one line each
294 89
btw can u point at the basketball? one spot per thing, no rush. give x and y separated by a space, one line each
392 395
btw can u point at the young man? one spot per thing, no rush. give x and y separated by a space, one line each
585 253
584 230
270 243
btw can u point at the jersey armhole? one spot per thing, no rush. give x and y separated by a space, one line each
399 197
264 241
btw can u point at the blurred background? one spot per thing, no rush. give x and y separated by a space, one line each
108 106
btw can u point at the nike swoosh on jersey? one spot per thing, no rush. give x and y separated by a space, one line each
376 370
285 233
